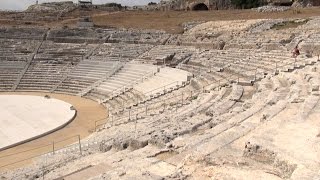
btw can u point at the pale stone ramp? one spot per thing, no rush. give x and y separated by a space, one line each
166 78
25 118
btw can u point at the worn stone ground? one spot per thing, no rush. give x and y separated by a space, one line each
283 131
291 135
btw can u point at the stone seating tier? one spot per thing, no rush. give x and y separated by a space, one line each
22 33
122 50
124 79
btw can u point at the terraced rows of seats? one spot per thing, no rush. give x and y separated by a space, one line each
168 54
311 43
139 37
120 51
236 95
22 33
163 85
13 59
244 66
259 41
155 127
79 35
162 142
129 75
172 103
85 74
51 64
287 93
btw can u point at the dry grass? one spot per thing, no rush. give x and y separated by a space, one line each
288 25
169 21
172 21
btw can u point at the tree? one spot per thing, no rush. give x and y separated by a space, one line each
152 3
113 5
246 4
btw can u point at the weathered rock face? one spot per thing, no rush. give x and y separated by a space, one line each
315 2
282 168
52 7
306 3
225 4
196 4
280 2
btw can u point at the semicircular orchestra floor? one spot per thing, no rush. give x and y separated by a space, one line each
88 111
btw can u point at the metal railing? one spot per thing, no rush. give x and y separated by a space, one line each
235 77
164 88
51 148
133 113
116 67
124 89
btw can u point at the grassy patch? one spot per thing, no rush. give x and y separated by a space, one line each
289 24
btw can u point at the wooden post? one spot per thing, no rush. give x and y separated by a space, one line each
255 74
53 151
112 120
43 172
129 114
135 128
146 109
177 106
79 145
164 105
181 98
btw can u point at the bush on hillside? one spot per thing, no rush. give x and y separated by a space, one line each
247 4
113 5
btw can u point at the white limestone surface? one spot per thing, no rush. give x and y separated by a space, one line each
23 118
166 78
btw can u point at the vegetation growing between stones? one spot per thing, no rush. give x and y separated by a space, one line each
288 24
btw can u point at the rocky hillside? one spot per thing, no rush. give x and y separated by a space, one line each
52 7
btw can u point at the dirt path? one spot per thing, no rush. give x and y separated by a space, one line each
88 112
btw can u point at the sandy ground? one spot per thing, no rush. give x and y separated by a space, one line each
88 112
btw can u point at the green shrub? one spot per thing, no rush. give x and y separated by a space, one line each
247 4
